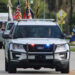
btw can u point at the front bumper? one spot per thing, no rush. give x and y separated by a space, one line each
46 64
40 60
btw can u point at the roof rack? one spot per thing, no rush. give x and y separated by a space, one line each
36 20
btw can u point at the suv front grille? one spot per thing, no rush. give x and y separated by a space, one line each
39 48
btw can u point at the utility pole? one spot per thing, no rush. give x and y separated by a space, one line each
56 6
44 9
71 16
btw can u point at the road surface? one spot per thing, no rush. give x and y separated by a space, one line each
40 72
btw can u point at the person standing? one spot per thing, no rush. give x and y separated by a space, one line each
72 40
3 27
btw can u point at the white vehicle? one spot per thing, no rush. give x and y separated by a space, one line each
3 19
9 26
36 44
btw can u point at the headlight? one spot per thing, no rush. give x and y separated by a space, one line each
15 46
62 47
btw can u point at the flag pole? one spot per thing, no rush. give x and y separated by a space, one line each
10 10
28 2
27 7
44 8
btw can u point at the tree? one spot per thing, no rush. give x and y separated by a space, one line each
51 5
3 5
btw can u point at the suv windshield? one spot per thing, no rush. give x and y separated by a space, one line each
37 32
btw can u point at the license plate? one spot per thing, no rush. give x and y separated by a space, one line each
31 57
49 57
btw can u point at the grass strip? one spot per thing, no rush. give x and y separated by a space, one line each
72 49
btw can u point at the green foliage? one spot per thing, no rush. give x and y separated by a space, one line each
73 19
72 49
3 5
53 15
51 5
4 1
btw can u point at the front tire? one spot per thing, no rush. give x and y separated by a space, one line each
65 69
57 69
37 68
1 44
11 68
6 65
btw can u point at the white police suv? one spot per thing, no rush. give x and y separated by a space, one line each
36 44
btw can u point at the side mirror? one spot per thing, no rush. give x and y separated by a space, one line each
67 36
6 35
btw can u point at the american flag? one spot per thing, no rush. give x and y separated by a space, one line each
28 14
18 12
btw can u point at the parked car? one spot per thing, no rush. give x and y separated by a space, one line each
9 26
36 44
2 28
3 20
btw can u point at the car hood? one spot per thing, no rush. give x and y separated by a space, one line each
38 41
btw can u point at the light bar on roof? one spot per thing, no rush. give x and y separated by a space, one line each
36 20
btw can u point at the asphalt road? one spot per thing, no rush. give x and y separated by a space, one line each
40 72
